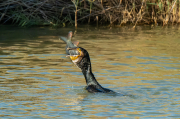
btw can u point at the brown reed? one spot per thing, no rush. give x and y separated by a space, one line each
73 12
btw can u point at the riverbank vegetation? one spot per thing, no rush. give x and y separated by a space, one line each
100 12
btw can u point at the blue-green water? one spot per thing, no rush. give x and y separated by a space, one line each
37 80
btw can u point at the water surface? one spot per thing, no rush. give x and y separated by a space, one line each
37 80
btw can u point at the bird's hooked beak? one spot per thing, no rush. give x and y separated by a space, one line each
75 54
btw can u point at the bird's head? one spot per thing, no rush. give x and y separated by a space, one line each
80 58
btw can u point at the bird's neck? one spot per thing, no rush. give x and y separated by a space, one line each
89 76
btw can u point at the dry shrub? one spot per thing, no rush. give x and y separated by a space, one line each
113 12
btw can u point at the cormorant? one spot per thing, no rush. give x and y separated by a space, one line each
80 57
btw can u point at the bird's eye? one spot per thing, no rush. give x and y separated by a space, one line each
78 49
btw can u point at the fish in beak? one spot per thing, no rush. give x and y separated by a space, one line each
69 43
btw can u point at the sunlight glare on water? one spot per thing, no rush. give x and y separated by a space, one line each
37 80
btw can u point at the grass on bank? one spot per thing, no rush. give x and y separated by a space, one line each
73 12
